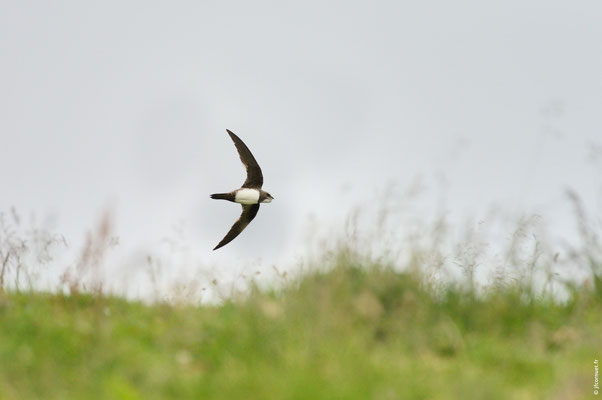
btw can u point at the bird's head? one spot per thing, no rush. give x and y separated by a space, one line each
268 198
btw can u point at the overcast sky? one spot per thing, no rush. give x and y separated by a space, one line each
123 106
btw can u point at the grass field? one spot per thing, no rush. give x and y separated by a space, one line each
350 330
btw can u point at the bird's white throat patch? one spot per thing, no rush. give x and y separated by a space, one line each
247 196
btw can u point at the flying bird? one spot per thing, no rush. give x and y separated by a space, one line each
249 195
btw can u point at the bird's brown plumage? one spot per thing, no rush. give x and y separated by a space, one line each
249 211
254 176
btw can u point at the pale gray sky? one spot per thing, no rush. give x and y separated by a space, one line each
124 105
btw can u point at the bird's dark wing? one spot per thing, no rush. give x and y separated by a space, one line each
254 175
249 211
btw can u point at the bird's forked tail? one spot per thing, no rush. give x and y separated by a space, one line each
223 196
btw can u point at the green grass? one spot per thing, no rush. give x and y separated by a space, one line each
349 332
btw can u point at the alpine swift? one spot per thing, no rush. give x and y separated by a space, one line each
249 195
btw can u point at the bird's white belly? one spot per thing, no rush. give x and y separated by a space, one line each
247 196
